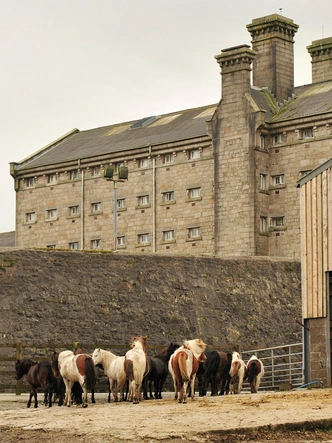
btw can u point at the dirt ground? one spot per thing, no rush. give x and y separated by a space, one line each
293 416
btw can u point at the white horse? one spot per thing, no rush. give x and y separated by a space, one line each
255 369
73 368
136 366
183 366
237 373
113 366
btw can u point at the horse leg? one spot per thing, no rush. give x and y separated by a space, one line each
35 397
192 387
30 398
85 395
69 385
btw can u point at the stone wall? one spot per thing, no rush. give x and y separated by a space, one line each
61 296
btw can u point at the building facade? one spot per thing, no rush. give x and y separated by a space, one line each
216 180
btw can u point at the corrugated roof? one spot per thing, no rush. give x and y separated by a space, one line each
172 127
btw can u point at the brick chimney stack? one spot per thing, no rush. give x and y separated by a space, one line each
321 59
235 64
273 67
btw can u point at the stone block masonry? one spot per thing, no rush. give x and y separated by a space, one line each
61 296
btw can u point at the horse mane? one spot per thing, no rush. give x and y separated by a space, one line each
141 340
165 353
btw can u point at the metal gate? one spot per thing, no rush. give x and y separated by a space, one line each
283 366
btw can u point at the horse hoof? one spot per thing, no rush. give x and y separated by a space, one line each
84 406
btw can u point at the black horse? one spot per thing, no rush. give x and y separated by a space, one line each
158 372
39 375
214 371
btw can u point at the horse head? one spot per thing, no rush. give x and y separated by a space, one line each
22 367
139 342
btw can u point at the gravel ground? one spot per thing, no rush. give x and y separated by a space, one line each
293 416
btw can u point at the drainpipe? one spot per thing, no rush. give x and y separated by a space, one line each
82 208
153 200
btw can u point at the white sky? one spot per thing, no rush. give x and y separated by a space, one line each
88 63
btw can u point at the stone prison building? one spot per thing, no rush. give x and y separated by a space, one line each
219 180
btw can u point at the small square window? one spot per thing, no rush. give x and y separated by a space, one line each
144 163
96 207
30 217
143 200
74 211
52 178
194 193
121 203
278 180
73 245
143 239
194 232
277 222
31 182
195 153
51 214
96 243
121 241
278 138
74 174
95 171
306 133
168 235
168 196
168 158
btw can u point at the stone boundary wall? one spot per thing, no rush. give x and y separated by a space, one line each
66 296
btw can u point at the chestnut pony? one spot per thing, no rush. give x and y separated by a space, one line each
73 368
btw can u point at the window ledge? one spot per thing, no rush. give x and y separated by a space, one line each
277 228
143 206
142 245
120 210
171 202
272 188
195 199
96 213
264 234
264 191
194 238
30 223
73 216
50 220
166 242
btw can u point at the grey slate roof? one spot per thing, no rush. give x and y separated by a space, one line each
181 125
308 100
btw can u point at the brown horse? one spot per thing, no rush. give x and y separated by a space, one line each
39 375
255 372
75 368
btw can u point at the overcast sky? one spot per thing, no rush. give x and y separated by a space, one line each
88 63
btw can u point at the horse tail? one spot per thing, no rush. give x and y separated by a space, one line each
252 370
182 361
212 365
90 373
